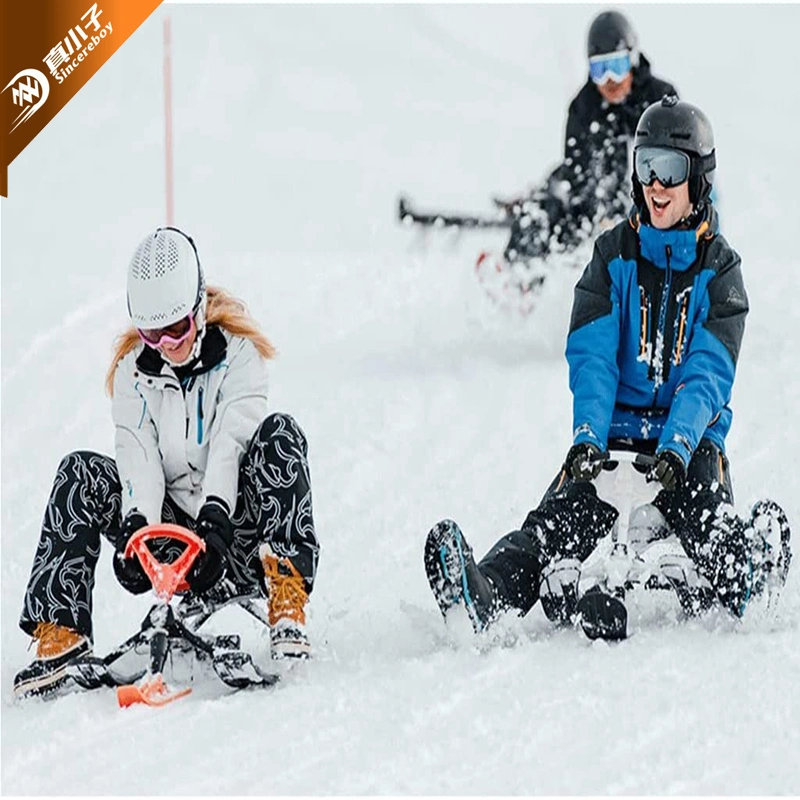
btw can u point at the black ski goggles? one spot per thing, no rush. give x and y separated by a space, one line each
668 167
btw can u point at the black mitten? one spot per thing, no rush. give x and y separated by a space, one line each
215 529
129 571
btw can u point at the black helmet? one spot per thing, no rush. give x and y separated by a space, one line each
611 32
679 125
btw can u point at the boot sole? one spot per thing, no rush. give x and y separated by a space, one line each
291 651
42 686
445 566
49 683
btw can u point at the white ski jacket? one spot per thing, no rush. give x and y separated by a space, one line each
187 441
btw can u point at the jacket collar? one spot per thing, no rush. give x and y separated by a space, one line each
642 72
682 244
212 352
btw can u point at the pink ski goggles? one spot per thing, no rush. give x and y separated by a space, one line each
175 334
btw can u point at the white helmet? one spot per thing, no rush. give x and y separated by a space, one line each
165 281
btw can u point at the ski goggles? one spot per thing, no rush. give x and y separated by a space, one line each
668 167
610 67
175 334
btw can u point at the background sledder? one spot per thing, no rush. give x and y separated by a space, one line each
655 334
195 446
589 189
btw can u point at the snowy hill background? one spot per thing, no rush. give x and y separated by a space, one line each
295 128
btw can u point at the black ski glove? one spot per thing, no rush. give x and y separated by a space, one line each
215 529
129 571
584 461
669 470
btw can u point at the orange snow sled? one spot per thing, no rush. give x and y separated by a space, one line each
165 628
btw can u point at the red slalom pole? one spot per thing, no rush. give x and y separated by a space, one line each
168 120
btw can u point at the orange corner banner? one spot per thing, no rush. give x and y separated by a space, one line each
50 49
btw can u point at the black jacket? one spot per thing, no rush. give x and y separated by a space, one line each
596 144
593 181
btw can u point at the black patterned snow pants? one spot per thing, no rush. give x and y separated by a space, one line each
571 519
273 505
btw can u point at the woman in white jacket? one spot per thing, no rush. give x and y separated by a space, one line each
195 445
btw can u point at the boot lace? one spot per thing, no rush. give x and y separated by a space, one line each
287 593
53 640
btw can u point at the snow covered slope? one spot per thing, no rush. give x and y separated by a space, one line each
296 126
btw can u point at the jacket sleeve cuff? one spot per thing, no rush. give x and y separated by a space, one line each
221 502
679 446
224 492
584 433
150 511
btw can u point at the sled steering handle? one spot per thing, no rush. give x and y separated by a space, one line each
631 456
166 578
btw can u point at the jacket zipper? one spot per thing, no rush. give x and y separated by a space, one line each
662 325
200 415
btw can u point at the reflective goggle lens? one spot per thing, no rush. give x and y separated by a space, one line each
174 334
612 66
669 167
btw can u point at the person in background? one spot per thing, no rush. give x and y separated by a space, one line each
590 188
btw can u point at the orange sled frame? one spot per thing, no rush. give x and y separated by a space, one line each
165 628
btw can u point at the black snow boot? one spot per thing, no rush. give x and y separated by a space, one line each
46 675
602 615
770 554
454 576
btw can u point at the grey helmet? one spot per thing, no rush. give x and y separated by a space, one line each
679 125
611 32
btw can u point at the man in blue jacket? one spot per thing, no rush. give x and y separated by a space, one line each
657 324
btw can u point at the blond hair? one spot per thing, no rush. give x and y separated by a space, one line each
223 309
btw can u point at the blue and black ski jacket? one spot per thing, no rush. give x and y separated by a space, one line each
656 327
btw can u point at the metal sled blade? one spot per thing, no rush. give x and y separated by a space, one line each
93 673
194 611
236 669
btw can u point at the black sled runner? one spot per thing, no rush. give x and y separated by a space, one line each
408 215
